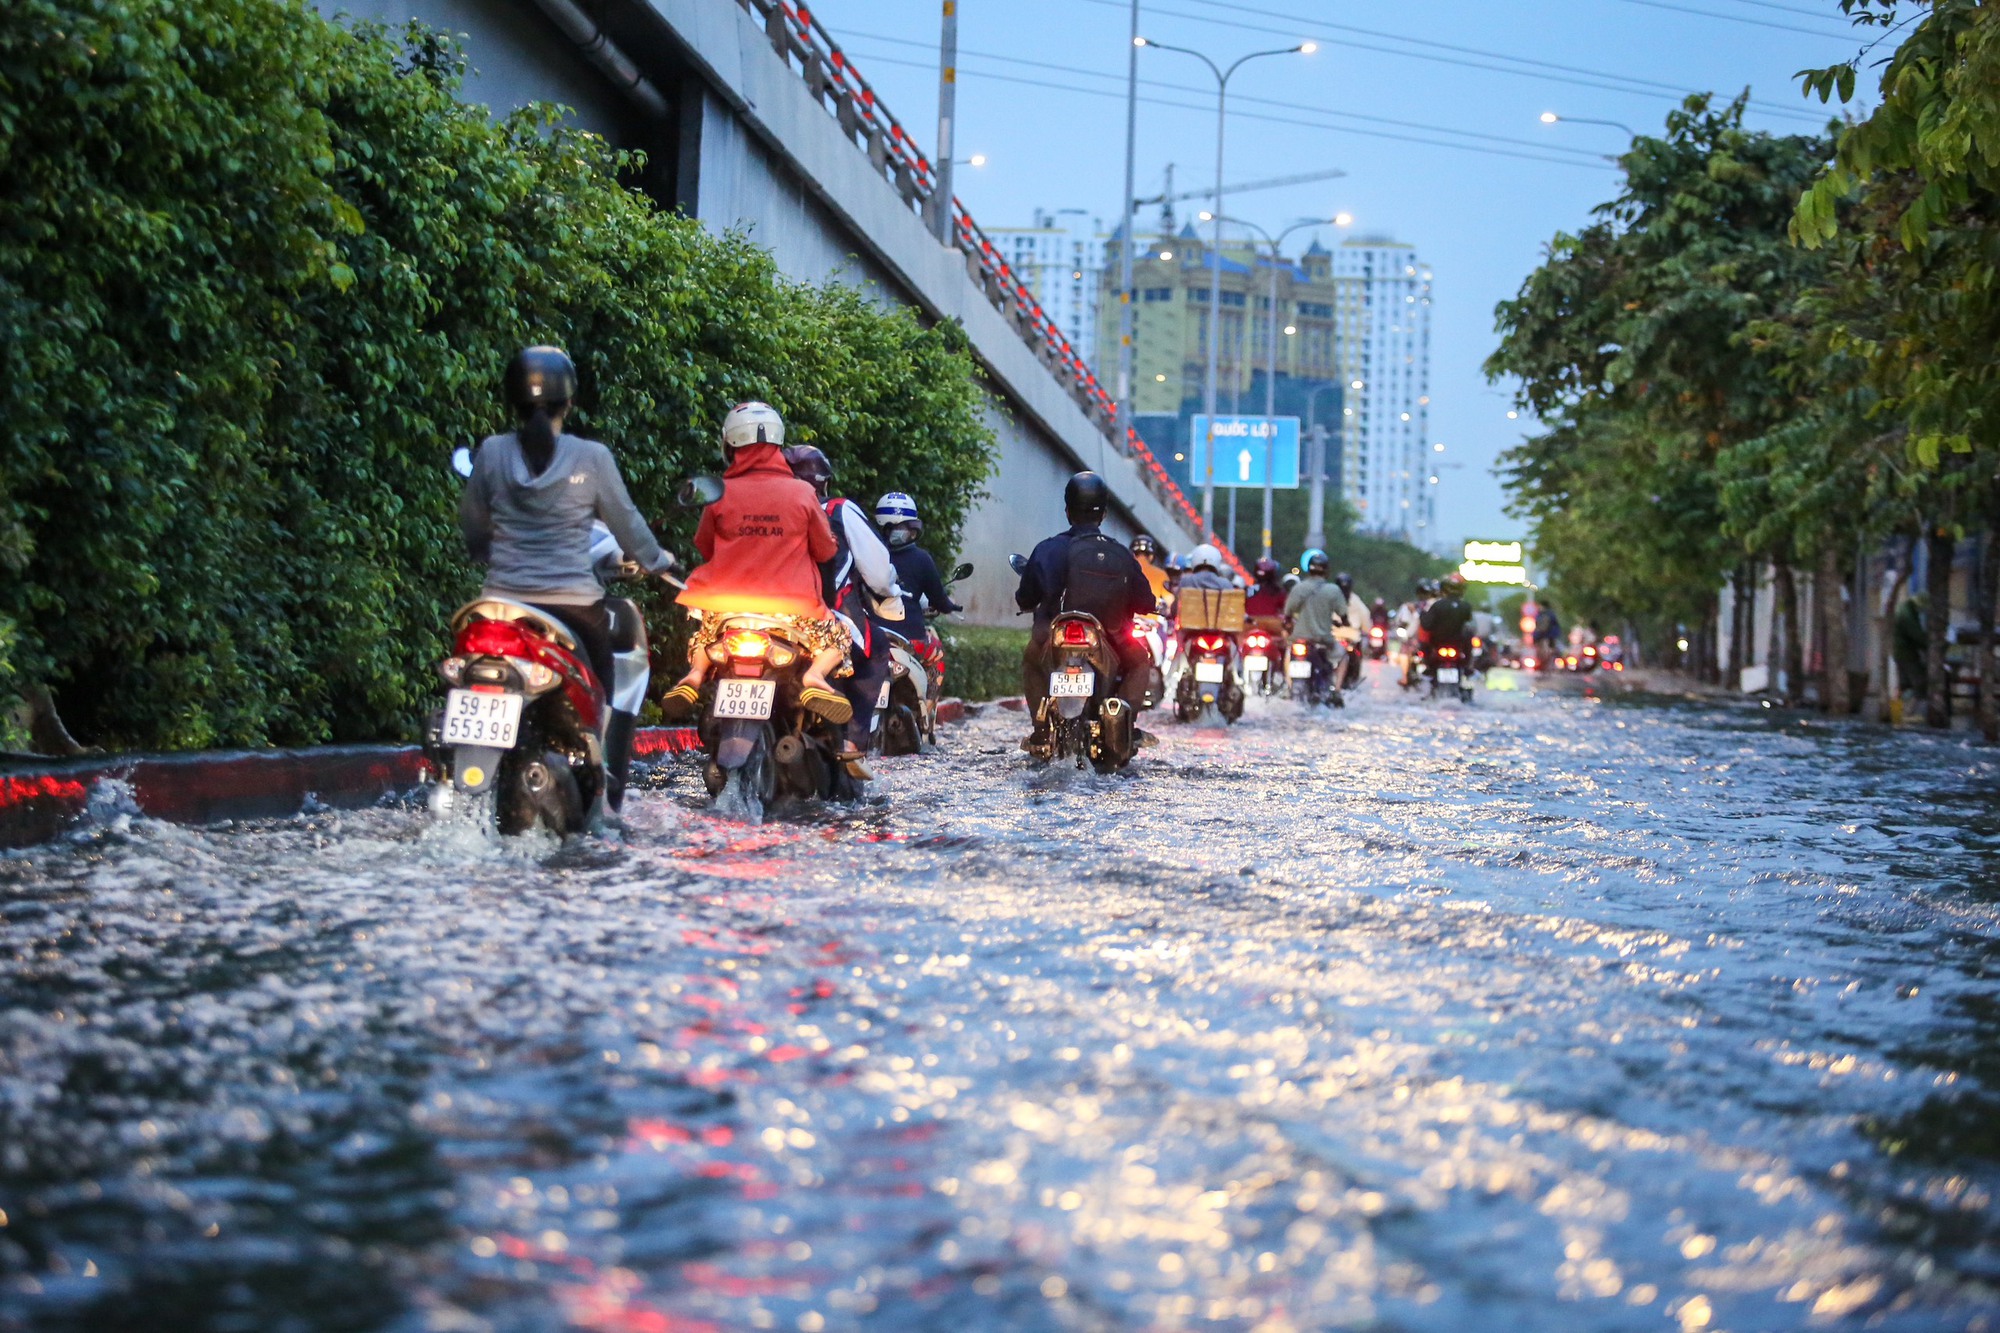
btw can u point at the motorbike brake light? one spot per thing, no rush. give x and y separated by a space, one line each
1258 641
1212 642
1447 652
748 645
1298 650
1075 632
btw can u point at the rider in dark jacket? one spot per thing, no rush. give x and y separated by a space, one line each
896 519
1448 620
1118 593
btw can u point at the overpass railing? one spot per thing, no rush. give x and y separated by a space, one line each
799 38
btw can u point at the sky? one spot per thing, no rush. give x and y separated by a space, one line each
1431 107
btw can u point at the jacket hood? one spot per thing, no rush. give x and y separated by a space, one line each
763 459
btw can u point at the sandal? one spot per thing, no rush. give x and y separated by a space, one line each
678 704
826 704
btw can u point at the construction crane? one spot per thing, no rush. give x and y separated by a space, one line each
1167 197
1171 198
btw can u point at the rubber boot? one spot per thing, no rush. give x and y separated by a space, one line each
617 757
1115 731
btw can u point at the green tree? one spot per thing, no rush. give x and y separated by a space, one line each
256 284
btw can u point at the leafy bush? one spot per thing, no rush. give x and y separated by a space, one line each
260 273
982 662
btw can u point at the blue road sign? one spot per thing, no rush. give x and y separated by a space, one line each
1240 449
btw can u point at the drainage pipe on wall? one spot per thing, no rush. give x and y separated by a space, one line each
602 52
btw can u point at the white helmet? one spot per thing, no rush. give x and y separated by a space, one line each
1205 556
752 423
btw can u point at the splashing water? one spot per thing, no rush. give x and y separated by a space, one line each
1553 1012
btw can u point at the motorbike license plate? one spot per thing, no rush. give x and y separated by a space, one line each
1209 673
1072 684
1256 666
472 718
1299 669
1447 675
752 699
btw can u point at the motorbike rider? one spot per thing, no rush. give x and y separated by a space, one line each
1448 619
1267 594
761 545
860 585
916 572
1083 570
1358 618
1205 570
1315 607
1147 552
526 514
1409 631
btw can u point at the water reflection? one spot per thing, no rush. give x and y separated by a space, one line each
1554 1012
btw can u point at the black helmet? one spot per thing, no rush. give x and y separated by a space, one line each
1144 545
1316 562
1344 581
1427 587
810 466
1086 496
540 377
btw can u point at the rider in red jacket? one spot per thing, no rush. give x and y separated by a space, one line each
761 546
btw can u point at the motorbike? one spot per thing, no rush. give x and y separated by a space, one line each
1263 660
761 743
1083 719
1152 631
1313 672
1449 667
526 724
1378 642
1208 677
916 684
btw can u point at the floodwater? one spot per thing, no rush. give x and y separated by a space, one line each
1553 1012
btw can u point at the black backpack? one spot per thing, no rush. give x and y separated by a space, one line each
1096 580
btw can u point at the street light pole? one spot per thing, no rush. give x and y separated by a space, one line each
1215 247
1316 506
1129 241
1271 355
947 109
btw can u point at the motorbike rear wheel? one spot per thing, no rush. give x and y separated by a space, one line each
900 732
538 791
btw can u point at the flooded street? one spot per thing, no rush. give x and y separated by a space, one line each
1550 1012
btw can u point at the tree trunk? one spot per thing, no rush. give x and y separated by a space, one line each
1738 636
1833 617
1708 657
1989 652
1937 626
1785 590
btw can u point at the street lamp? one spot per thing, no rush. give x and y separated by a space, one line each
1215 244
976 160
1550 118
1271 360
1316 505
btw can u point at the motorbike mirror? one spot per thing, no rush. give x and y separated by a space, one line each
962 572
698 491
461 461
1018 563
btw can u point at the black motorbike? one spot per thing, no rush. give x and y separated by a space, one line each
1083 718
1208 677
1314 670
1448 667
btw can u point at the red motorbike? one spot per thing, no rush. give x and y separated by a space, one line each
526 725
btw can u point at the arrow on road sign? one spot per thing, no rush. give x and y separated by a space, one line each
1243 466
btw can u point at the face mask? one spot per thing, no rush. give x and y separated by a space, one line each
901 537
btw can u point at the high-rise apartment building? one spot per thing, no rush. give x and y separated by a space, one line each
1389 392
1061 259
1319 330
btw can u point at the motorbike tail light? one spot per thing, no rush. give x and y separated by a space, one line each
1212 642
748 645
452 669
1075 632
1258 641
1374 633
1447 652
1298 650
1590 652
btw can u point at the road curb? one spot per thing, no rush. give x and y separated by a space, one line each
41 798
